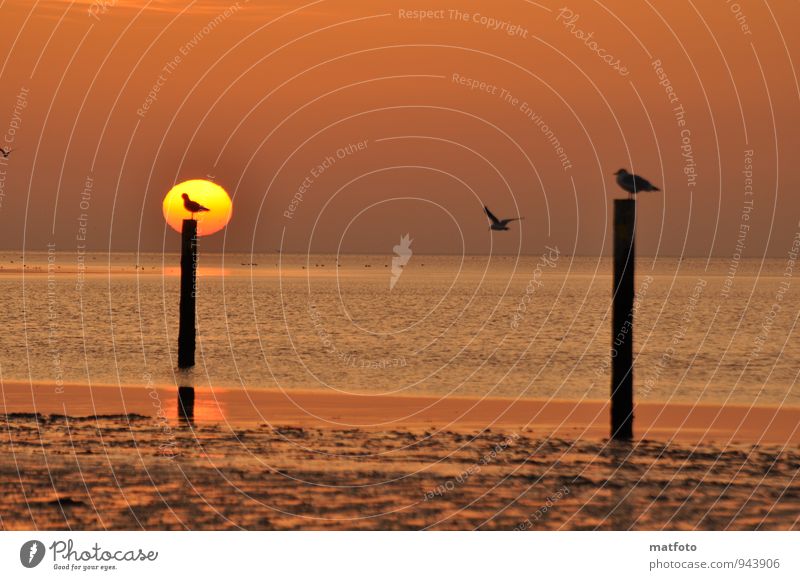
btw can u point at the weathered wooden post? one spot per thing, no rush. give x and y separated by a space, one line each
622 325
186 328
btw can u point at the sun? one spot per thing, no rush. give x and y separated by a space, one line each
206 193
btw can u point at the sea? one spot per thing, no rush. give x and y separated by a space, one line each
705 330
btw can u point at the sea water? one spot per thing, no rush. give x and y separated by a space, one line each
510 326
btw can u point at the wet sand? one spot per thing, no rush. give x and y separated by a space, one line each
124 458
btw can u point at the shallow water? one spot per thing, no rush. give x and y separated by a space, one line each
504 326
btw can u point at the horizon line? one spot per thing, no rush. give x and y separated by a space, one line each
293 253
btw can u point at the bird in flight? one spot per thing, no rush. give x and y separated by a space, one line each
633 184
6 152
499 225
192 206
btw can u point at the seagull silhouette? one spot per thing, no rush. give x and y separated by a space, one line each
633 184
499 225
192 206
6 152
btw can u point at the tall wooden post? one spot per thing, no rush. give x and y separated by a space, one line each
622 325
186 329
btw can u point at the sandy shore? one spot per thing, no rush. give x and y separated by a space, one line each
123 458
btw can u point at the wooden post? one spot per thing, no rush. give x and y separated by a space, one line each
186 329
622 325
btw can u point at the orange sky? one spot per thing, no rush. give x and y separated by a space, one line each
343 125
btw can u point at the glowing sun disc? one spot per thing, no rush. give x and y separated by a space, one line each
206 193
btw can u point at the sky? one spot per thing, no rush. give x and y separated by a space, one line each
339 126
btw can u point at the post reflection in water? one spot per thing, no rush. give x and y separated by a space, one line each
186 404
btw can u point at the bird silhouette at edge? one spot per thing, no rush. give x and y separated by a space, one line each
497 224
633 184
6 152
192 206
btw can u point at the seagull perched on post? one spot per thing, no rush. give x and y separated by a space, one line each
633 184
6 152
192 206
499 225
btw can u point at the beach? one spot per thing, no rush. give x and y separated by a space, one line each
330 400
109 457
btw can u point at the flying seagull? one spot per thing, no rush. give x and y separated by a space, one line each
633 184
499 225
5 152
192 206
